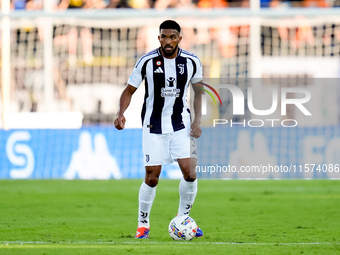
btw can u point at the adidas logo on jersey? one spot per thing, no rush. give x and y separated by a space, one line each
158 70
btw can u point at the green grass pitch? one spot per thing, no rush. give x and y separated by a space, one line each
237 217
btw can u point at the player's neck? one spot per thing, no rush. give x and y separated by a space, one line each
172 56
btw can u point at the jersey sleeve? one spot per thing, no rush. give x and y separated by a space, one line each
198 76
136 78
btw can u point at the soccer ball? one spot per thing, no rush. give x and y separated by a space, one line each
182 228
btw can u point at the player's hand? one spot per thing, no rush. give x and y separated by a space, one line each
195 130
120 122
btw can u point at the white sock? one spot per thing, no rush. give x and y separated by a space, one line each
187 194
146 196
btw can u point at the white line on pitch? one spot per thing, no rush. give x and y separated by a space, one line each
230 243
169 242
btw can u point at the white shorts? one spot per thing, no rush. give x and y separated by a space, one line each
159 149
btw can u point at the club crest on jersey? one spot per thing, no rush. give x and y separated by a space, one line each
158 63
181 68
170 89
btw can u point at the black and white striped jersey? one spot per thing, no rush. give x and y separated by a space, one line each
165 108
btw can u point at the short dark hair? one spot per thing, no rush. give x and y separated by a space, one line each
170 24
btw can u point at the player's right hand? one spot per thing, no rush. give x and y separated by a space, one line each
120 122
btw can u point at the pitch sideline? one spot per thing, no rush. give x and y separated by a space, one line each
166 242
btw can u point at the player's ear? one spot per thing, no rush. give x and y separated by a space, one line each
159 38
180 39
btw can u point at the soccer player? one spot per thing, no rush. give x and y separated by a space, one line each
168 133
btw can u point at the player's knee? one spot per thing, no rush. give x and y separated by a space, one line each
152 176
151 180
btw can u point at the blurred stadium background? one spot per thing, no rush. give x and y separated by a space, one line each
64 65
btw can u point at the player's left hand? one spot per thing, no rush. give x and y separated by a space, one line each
195 130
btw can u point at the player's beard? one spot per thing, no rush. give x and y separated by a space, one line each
168 54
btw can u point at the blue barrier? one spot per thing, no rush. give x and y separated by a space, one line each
309 152
104 152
